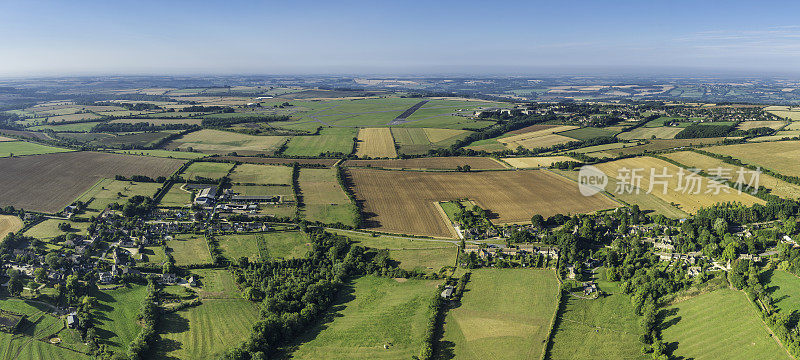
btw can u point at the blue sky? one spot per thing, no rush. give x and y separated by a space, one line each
400 37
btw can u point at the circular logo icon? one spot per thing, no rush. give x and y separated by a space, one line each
591 180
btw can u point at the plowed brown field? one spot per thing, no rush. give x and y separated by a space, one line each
403 201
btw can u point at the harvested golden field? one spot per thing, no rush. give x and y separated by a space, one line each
780 156
223 142
689 201
432 163
786 112
747 125
9 224
538 138
539 161
376 142
692 159
48 183
405 201
661 132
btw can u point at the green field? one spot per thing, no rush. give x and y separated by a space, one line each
587 133
504 314
369 313
189 249
239 245
262 174
49 228
603 328
330 139
117 324
205 331
210 170
164 153
20 148
722 324
83 126
38 325
176 197
108 191
784 288
216 284
420 255
421 140
325 201
281 244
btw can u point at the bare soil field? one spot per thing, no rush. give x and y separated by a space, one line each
9 224
47 183
433 163
405 201
376 142
278 161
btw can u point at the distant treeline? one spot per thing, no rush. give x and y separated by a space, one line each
222 122
696 131
140 126
200 108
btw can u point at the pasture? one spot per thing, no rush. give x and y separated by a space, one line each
369 313
39 325
603 328
177 196
784 288
644 132
9 224
189 249
158 122
786 112
325 200
118 311
690 200
376 142
216 284
208 170
588 133
504 314
330 140
662 144
780 156
261 174
420 140
509 197
431 163
163 153
205 331
22 148
412 255
50 182
48 229
284 244
108 191
722 324
535 162
695 160
223 142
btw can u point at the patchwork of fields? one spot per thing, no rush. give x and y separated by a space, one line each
510 196
376 142
224 142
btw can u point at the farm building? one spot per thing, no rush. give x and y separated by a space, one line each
206 196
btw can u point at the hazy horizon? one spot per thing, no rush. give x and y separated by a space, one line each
49 38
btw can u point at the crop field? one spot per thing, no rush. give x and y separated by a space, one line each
772 124
780 135
369 313
189 249
107 191
603 328
786 112
163 153
376 142
591 149
333 140
538 138
662 144
261 174
205 331
209 170
262 190
534 162
9 224
420 140
325 201
21 148
721 324
223 142
50 182
509 196
435 163
644 132
784 288
83 126
419 255
504 314
587 133
137 139
780 156
690 201
647 202
777 186
532 128
119 309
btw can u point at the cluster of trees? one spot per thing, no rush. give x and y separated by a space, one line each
344 183
140 126
200 108
141 178
759 131
695 131
219 122
138 205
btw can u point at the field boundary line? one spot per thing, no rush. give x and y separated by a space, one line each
443 216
